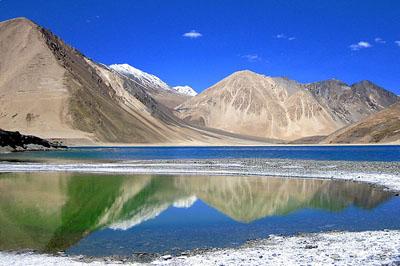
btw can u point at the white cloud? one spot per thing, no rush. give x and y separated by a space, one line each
193 34
285 37
252 57
91 19
397 42
360 45
379 40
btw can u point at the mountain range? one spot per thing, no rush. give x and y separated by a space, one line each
50 89
275 107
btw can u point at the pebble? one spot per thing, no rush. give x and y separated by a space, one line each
310 246
166 257
335 256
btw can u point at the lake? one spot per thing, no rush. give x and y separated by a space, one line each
110 214
385 153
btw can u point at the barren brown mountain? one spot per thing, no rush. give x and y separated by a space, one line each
351 103
253 104
51 90
382 127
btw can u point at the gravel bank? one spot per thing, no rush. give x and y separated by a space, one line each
336 248
386 174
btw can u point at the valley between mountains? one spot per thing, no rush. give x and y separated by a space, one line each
51 90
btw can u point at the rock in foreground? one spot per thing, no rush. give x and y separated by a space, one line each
15 141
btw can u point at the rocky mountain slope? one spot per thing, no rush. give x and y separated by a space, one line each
351 103
158 89
382 127
253 104
51 90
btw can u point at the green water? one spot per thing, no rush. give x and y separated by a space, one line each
74 212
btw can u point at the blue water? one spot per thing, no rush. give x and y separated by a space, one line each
201 226
384 153
113 214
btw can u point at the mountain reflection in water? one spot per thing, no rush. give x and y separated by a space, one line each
53 211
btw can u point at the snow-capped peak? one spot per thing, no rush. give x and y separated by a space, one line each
146 78
150 80
185 90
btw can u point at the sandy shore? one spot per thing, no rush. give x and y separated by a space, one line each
334 248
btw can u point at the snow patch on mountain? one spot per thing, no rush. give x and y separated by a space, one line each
149 80
141 76
185 90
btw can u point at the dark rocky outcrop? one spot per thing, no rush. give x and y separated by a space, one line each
17 141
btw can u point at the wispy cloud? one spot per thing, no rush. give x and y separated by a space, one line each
285 37
360 45
252 57
193 34
397 42
91 19
379 40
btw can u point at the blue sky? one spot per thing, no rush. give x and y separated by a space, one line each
306 40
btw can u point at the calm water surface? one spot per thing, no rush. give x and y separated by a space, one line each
101 215
349 153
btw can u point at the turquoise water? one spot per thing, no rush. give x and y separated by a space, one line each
384 153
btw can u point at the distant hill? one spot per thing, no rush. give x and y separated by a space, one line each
351 103
382 127
253 104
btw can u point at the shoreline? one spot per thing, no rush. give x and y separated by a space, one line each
385 174
312 248
362 248
140 145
